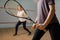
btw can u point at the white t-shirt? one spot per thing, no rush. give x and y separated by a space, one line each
21 14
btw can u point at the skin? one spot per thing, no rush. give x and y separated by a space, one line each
19 8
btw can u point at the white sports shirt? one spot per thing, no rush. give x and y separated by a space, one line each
21 14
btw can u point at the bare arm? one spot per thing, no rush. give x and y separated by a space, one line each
50 15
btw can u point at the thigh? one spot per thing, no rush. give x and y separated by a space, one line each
24 24
38 34
18 23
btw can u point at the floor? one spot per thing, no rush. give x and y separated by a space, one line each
7 34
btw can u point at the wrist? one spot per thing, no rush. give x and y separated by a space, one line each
44 24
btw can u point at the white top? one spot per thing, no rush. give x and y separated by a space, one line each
21 14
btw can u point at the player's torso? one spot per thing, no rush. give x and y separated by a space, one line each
42 10
20 14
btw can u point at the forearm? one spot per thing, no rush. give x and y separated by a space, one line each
49 17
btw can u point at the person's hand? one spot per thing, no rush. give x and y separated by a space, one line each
34 26
40 26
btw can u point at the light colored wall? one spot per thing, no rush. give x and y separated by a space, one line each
58 9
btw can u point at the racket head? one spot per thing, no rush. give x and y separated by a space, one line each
11 8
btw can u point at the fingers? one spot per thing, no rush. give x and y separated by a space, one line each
34 26
41 27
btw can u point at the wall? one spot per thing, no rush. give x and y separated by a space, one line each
57 9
